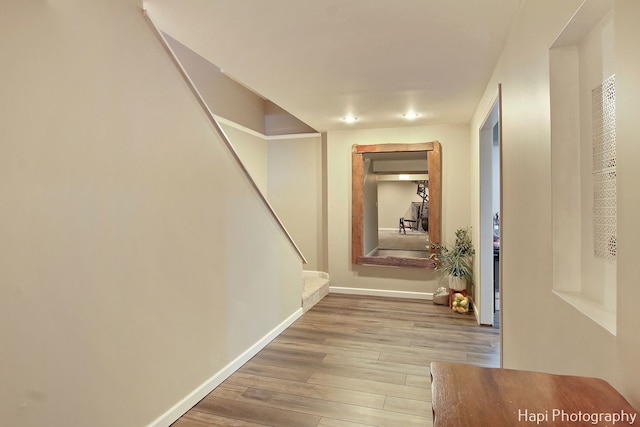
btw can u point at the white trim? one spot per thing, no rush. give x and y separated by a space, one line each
311 273
484 295
180 408
261 135
235 125
293 136
381 293
476 314
605 317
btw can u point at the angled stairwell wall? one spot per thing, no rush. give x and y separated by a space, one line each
287 168
127 291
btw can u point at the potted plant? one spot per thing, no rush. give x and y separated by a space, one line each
456 263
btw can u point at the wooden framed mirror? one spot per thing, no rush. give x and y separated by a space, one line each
364 200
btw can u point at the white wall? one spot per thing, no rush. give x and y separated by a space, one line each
495 179
123 285
541 331
455 203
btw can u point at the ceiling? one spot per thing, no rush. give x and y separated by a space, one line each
322 60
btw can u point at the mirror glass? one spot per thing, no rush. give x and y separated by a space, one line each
396 203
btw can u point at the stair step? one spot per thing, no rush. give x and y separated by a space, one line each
315 288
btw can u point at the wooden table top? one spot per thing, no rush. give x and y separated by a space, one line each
466 395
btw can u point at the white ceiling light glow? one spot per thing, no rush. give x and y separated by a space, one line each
411 115
349 119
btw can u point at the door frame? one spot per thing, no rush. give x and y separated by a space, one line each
487 164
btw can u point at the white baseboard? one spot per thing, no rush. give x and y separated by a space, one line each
312 273
180 408
475 313
381 293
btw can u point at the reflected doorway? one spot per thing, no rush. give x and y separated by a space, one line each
403 212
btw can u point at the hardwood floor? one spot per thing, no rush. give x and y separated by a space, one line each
350 361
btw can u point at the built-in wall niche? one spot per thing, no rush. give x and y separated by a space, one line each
583 174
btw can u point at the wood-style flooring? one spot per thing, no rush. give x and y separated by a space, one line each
350 361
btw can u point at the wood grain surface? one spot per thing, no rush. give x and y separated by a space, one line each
465 395
350 361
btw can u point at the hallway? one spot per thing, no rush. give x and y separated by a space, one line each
350 360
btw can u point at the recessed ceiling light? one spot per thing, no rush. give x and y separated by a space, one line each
349 119
410 115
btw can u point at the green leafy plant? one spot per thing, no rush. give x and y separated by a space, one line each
458 260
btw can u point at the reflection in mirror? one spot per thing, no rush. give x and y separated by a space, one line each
396 203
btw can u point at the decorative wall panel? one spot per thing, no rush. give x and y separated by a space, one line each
604 169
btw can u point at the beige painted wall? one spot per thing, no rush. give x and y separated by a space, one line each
295 186
123 288
541 331
252 150
455 202
626 352
597 63
288 172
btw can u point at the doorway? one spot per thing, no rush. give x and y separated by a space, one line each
490 151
